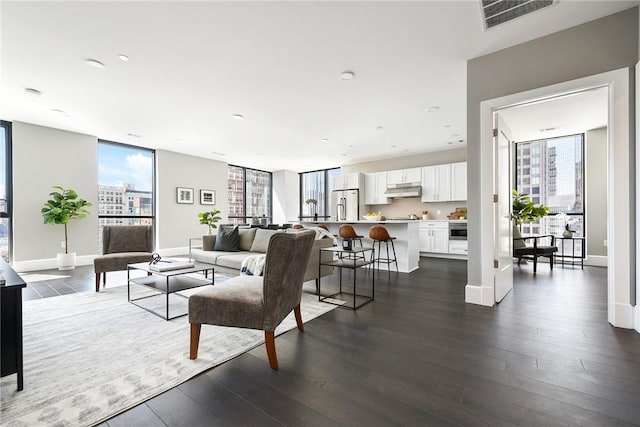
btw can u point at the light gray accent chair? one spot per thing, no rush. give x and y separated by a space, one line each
257 302
122 245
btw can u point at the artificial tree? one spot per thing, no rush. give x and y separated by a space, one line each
64 206
524 210
210 218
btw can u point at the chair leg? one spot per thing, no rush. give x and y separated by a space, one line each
270 343
318 286
551 262
195 340
296 311
97 282
535 263
395 257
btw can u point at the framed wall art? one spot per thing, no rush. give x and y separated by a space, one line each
207 197
184 195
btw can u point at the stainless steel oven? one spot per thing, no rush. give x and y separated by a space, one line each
457 231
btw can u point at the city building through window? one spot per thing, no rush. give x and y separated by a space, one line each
250 195
551 171
316 186
125 185
5 190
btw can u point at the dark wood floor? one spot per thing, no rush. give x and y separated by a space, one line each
419 356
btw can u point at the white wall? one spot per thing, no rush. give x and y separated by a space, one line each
596 192
286 196
176 223
576 53
44 157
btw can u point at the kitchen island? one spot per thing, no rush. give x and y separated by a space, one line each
405 231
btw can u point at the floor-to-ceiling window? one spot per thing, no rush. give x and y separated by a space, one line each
250 194
551 171
125 185
5 190
315 193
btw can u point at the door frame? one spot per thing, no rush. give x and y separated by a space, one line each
620 233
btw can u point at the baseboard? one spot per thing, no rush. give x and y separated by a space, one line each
443 255
597 260
48 263
480 295
624 316
636 317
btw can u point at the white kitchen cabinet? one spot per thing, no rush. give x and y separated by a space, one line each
434 236
459 247
436 183
375 184
459 181
348 181
404 176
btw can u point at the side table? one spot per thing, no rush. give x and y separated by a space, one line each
352 262
570 258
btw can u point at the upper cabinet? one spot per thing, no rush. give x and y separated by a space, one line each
375 184
443 183
404 176
349 181
459 181
436 183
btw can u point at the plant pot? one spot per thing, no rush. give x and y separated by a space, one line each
66 261
425 217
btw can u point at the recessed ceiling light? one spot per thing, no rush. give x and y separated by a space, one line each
32 92
324 140
178 139
447 126
124 58
547 129
95 63
450 142
343 155
379 128
433 109
58 111
393 146
134 135
347 75
238 116
216 153
454 136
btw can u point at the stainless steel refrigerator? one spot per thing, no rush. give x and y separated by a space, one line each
345 205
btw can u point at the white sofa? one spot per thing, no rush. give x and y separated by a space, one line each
254 241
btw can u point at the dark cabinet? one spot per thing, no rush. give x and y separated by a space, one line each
11 323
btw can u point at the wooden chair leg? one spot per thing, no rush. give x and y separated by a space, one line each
535 263
296 311
104 279
195 341
551 262
270 343
97 282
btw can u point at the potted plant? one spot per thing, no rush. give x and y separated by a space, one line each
524 210
64 206
210 218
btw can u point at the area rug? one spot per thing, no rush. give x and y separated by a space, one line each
90 356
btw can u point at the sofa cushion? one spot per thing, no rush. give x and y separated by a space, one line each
233 260
247 235
228 239
261 241
209 257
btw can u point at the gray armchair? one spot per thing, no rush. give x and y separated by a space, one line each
122 245
257 302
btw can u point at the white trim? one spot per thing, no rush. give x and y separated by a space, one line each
619 189
480 295
624 314
48 263
636 317
596 260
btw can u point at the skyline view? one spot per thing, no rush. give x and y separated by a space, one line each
118 164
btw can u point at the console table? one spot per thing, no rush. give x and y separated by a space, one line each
11 323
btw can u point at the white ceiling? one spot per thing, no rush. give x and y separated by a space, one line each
193 65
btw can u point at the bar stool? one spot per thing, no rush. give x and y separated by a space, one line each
323 226
347 232
379 234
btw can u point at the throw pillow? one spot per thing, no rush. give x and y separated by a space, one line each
261 241
228 239
246 238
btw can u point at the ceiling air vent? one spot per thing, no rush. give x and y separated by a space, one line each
498 12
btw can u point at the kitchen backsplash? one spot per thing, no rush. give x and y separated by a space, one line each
412 205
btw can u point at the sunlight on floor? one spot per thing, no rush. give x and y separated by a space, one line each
37 277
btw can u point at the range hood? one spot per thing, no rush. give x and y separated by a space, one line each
403 191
